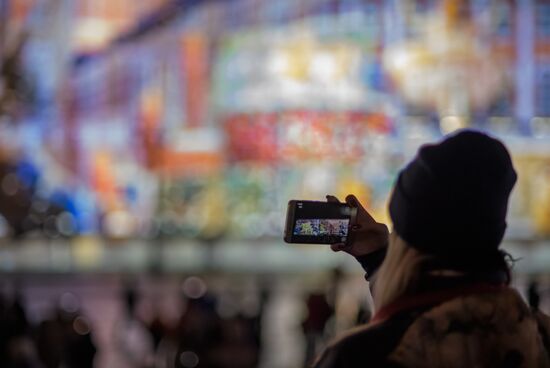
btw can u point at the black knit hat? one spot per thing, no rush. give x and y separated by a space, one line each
451 200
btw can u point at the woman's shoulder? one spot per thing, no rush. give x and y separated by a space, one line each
500 324
367 345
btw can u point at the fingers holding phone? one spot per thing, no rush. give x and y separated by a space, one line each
366 235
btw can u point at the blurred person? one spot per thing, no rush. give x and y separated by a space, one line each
66 339
319 312
440 281
156 327
80 349
17 349
132 335
197 334
264 300
50 341
319 320
237 347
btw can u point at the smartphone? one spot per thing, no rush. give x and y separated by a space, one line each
316 222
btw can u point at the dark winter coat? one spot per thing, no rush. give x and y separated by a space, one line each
459 323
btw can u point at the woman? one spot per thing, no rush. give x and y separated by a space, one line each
440 281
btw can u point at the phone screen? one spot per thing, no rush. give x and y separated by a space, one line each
318 222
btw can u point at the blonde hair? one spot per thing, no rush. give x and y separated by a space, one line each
400 273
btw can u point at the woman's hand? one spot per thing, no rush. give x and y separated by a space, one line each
366 235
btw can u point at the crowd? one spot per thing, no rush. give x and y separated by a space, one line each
201 337
66 333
